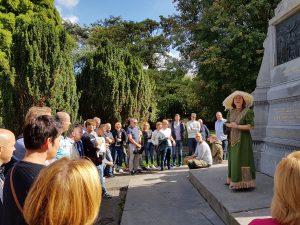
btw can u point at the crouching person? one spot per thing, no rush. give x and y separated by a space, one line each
216 149
202 157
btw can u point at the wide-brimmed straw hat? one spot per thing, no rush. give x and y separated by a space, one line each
227 103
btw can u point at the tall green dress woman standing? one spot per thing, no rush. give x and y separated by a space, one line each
240 120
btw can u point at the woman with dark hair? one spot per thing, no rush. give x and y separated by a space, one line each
240 119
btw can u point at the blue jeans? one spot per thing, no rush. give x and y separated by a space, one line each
108 169
192 146
157 155
117 155
149 150
225 147
101 174
165 156
177 148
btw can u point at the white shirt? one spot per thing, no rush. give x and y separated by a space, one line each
167 133
203 152
67 148
156 135
192 128
219 130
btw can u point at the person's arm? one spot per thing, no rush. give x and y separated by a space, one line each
132 141
198 127
188 127
206 131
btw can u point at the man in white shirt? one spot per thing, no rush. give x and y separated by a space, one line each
193 126
202 157
220 133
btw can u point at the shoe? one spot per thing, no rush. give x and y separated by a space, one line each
114 171
107 196
121 171
158 167
153 167
147 167
132 172
169 167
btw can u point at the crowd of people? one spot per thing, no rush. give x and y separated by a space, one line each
51 146
54 162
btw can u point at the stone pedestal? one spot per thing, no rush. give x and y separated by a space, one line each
277 95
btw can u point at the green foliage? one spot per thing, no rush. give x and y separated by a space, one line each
41 57
175 91
144 39
224 39
36 66
114 86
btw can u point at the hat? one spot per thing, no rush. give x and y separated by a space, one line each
227 103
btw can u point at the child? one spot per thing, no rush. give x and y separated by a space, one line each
216 149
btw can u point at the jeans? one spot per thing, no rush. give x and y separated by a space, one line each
165 156
177 148
192 146
149 150
108 169
225 147
101 170
157 155
117 155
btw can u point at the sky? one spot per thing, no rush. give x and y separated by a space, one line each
89 11
85 12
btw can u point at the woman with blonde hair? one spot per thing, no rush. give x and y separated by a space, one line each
67 192
285 204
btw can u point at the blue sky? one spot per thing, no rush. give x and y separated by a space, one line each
88 11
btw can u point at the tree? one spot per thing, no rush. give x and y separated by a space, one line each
114 85
144 39
175 91
36 67
224 39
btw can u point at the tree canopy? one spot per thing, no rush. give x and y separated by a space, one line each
114 85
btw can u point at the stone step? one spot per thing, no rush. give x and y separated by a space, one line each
233 207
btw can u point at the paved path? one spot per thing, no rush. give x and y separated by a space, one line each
166 198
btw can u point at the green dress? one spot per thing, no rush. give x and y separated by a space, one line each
241 169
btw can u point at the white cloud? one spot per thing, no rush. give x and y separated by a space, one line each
67 3
71 18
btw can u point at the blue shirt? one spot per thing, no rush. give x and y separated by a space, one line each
219 130
135 133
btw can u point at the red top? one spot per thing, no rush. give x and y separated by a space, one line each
268 221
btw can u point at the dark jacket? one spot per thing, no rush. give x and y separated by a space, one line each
173 130
90 148
123 136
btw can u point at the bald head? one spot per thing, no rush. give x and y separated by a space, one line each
7 145
65 120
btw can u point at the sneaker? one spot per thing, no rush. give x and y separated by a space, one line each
153 167
121 171
132 172
148 167
158 167
114 171
106 195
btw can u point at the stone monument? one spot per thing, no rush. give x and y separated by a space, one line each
277 95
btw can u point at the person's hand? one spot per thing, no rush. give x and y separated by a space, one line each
138 145
173 143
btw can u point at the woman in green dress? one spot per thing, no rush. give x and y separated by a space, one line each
240 120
